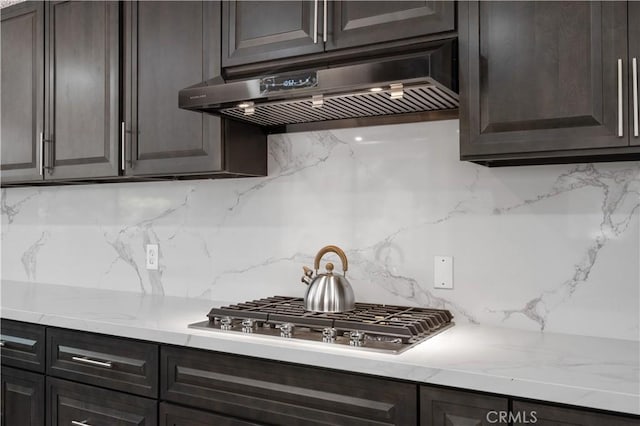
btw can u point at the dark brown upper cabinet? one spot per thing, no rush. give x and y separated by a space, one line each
169 46
258 31
82 131
22 92
544 82
634 71
358 23
90 93
255 31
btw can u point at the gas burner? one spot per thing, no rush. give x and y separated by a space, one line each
386 328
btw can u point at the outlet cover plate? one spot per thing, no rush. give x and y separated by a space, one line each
443 272
152 257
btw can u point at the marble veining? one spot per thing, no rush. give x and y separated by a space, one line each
122 244
29 257
11 210
618 187
545 248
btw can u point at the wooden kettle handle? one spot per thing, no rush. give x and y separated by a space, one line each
331 249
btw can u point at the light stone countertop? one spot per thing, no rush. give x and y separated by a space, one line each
577 370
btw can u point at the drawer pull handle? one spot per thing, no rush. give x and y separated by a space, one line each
82 423
106 364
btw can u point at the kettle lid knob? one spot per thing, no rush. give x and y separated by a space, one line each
329 267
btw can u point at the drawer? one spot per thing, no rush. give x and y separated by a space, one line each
111 362
285 394
22 345
173 415
445 407
71 403
550 415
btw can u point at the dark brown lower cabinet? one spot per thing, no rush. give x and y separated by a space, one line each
120 364
22 345
70 403
525 413
442 407
22 398
205 388
174 415
273 392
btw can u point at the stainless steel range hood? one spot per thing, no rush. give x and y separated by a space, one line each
388 87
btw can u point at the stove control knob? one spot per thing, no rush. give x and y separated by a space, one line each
225 323
286 330
248 325
329 335
356 338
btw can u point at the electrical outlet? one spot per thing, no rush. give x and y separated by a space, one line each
443 272
152 256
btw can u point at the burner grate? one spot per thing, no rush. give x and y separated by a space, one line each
406 323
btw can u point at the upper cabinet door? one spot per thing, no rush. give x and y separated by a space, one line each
254 31
634 57
169 46
358 23
22 91
83 93
542 76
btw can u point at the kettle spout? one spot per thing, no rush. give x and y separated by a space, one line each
308 273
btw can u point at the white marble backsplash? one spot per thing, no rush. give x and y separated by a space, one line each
551 248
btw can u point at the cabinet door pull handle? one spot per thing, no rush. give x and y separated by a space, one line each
82 423
122 148
106 364
315 21
635 96
52 159
620 121
324 28
41 159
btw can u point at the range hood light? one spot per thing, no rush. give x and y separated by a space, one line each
317 101
376 89
397 92
247 108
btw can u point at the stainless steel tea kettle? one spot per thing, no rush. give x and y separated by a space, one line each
328 292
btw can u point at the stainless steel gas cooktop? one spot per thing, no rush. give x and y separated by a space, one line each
385 328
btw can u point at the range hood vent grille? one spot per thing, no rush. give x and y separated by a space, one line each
418 98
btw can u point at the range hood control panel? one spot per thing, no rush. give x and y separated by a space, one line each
279 83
